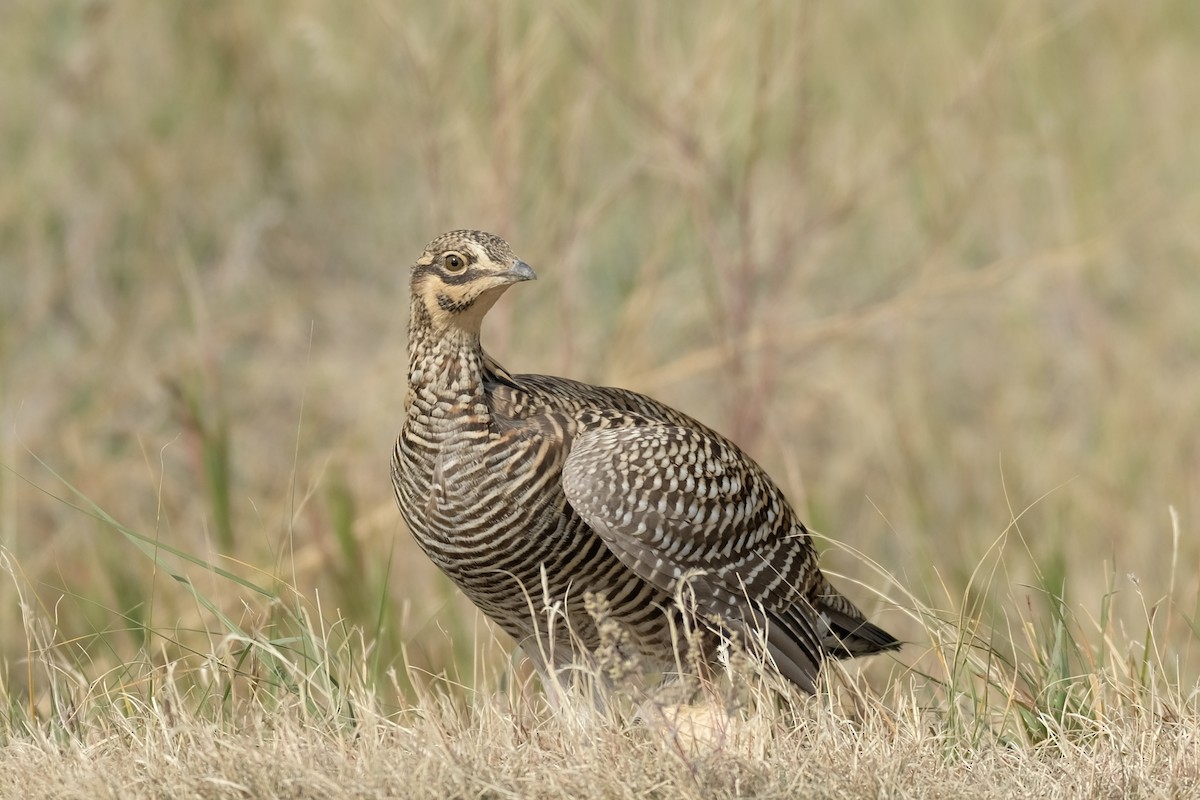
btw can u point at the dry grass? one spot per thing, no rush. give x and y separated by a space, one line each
488 753
934 265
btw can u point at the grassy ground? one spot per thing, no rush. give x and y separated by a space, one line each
935 265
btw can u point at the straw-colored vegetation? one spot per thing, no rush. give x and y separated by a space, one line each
936 265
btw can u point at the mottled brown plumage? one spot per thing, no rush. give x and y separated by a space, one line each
530 489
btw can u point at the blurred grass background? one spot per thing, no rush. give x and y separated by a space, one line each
936 265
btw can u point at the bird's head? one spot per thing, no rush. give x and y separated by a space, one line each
461 275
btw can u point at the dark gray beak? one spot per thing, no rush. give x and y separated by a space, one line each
521 272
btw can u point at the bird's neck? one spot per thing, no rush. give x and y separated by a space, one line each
445 366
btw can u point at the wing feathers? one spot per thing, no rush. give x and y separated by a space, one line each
672 502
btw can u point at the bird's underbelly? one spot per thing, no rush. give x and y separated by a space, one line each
518 550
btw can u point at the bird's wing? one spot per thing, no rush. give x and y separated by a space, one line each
680 505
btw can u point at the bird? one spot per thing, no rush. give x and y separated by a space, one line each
532 492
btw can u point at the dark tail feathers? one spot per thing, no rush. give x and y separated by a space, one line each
844 636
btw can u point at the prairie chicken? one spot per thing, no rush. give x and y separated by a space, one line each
527 489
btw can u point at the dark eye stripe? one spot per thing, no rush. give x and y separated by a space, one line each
448 278
459 278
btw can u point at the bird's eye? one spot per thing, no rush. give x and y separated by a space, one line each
454 262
